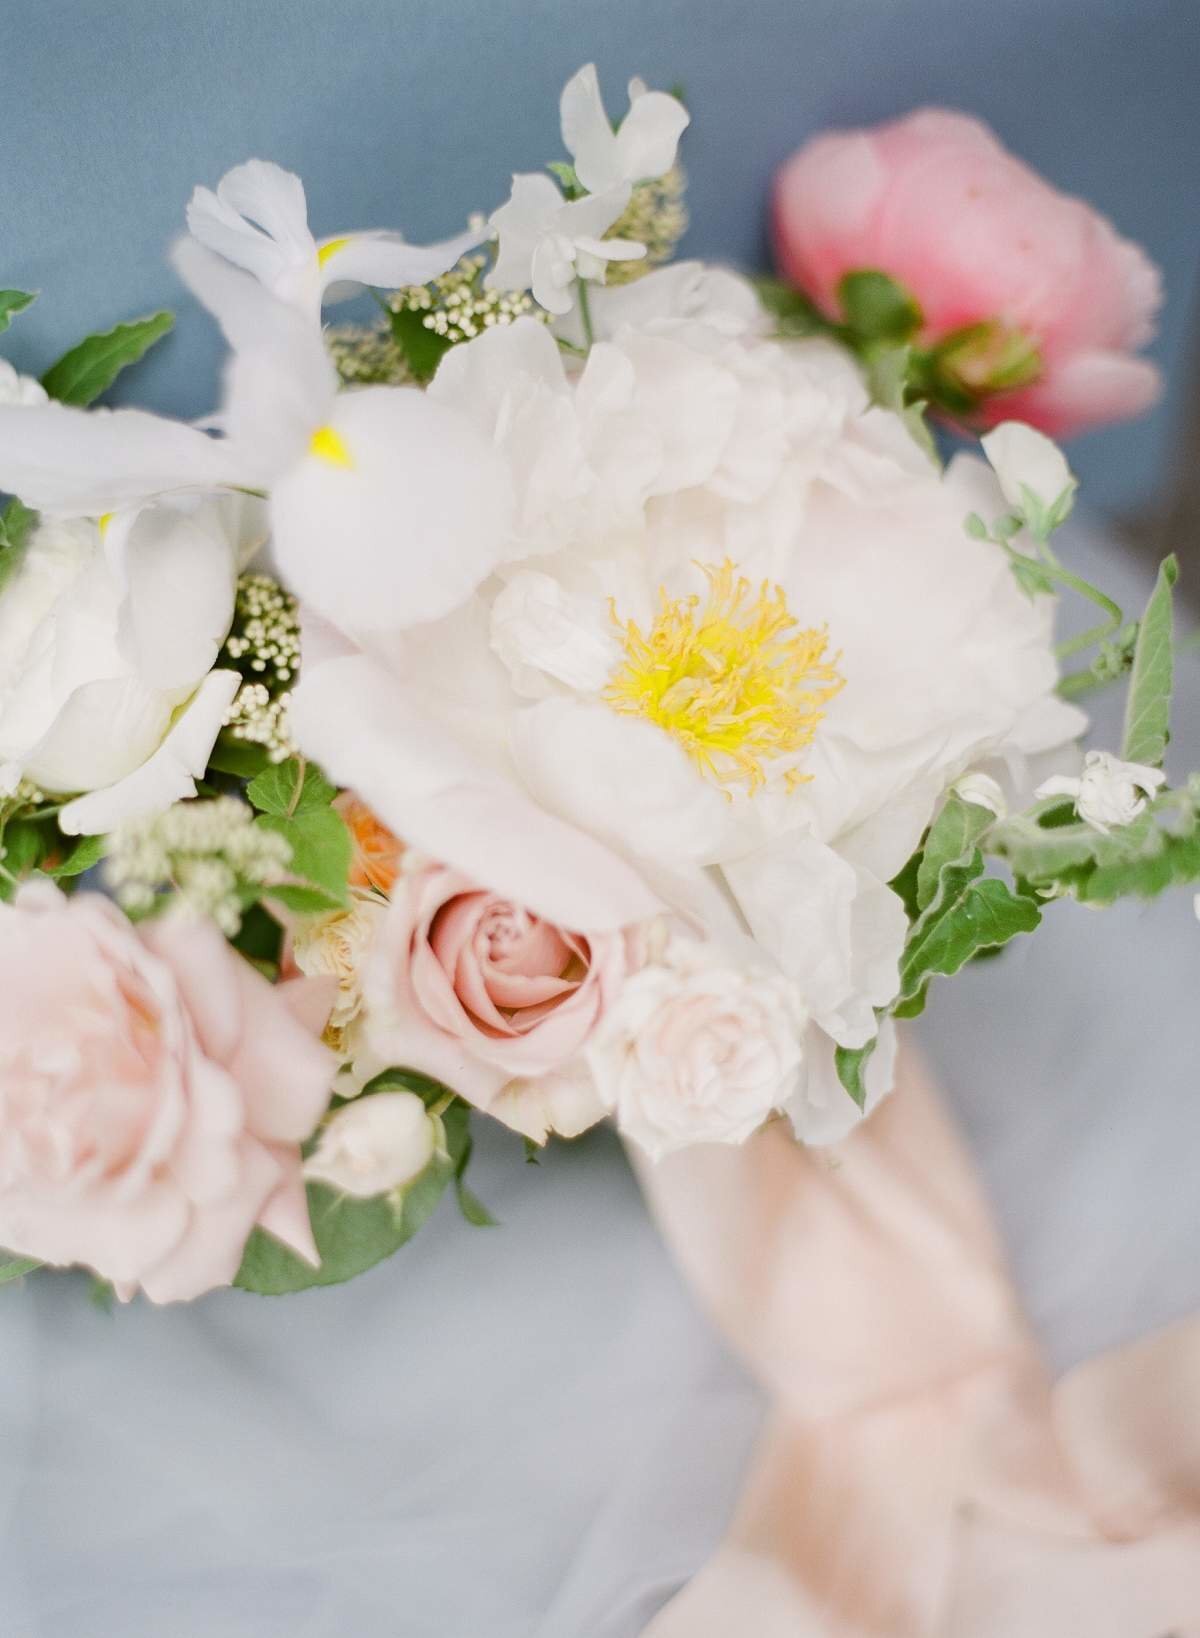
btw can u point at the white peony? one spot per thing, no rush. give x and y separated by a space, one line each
763 651
699 1048
108 635
19 389
374 1145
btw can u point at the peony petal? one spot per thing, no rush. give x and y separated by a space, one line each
367 734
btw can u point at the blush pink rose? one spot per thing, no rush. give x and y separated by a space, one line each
154 1092
481 994
937 203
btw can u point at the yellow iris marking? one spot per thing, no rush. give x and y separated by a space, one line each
327 445
731 676
330 248
103 521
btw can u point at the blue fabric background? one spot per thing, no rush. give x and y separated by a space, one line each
410 113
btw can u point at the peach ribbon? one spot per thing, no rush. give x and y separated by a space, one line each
920 1475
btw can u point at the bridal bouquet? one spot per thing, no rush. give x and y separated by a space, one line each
580 693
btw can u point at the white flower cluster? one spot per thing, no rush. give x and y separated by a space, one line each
264 646
208 852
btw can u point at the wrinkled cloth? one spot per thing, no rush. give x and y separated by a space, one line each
921 1476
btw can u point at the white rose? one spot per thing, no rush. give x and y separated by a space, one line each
337 946
379 1143
697 1050
107 641
1108 792
19 389
1032 472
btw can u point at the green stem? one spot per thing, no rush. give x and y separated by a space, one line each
442 1104
1054 571
585 312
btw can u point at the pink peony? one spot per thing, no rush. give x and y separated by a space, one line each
154 1091
491 999
977 237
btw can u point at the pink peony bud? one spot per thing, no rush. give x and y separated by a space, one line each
1032 302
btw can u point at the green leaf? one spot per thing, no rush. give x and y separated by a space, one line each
851 1064
423 348
239 757
290 788
13 302
969 915
12 1268
321 854
351 1235
456 1122
22 843
82 853
1148 703
877 308
951 839
260 937
81 375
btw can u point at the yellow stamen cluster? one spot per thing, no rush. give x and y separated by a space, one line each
731 676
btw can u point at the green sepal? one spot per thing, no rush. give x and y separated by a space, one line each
877 307
15 1268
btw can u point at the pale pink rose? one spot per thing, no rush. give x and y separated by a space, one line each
937 203
154 1092
479 993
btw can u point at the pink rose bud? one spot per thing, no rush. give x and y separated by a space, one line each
154 1093
1031 304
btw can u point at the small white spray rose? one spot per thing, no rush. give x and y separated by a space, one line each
337 946
547 242
1109 793
642 147
19 389
982 791
1033 474
375 1145
697 1049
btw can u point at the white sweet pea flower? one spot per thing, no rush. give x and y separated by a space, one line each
698 1048
1109 793
1033 474
982 791
107 639
19 389
547 242
258 219
374 1145
642 147
373 520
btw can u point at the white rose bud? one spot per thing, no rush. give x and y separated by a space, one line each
1108 793
697 1050
1033 474
373 1146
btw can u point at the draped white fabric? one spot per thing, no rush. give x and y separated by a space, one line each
530 1431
